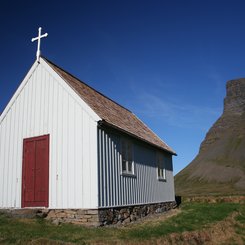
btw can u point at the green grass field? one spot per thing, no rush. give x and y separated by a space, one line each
193 217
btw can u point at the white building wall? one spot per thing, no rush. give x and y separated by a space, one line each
45 104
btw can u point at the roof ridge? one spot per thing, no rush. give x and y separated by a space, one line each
85 84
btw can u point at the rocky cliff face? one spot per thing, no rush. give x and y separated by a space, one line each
234 102
219 167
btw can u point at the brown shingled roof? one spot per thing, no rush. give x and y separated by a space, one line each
111 112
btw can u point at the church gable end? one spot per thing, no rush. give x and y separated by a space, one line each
45 105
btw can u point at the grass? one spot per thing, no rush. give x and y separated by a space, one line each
194 216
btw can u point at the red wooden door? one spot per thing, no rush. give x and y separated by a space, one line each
35 172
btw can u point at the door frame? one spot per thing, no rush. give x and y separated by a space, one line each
36 138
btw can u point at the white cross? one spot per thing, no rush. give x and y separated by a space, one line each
39 41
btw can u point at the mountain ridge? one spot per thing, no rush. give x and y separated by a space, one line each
219 167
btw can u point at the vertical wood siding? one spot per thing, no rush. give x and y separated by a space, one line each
47 105
116 189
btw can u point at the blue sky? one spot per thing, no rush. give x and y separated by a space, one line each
167 61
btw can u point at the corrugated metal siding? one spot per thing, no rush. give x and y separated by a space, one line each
116 189
44 104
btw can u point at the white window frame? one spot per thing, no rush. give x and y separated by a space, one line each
128 144
161 167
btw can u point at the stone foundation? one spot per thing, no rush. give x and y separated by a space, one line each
93 217
127 214
88 217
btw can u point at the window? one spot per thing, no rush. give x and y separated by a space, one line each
161 171
127 156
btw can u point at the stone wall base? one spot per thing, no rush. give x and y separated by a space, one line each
88 217
127 214
93 217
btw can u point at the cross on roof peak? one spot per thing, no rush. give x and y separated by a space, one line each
38 38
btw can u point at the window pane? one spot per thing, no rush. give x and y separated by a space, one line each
130 167
164 173
123 150
159 172
124 168
129 149
160 165
127 156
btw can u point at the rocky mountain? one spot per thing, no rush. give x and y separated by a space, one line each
219 167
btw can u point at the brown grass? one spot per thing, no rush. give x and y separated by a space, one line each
221 233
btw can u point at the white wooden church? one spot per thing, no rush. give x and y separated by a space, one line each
64 145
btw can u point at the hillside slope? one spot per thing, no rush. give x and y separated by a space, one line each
219 167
